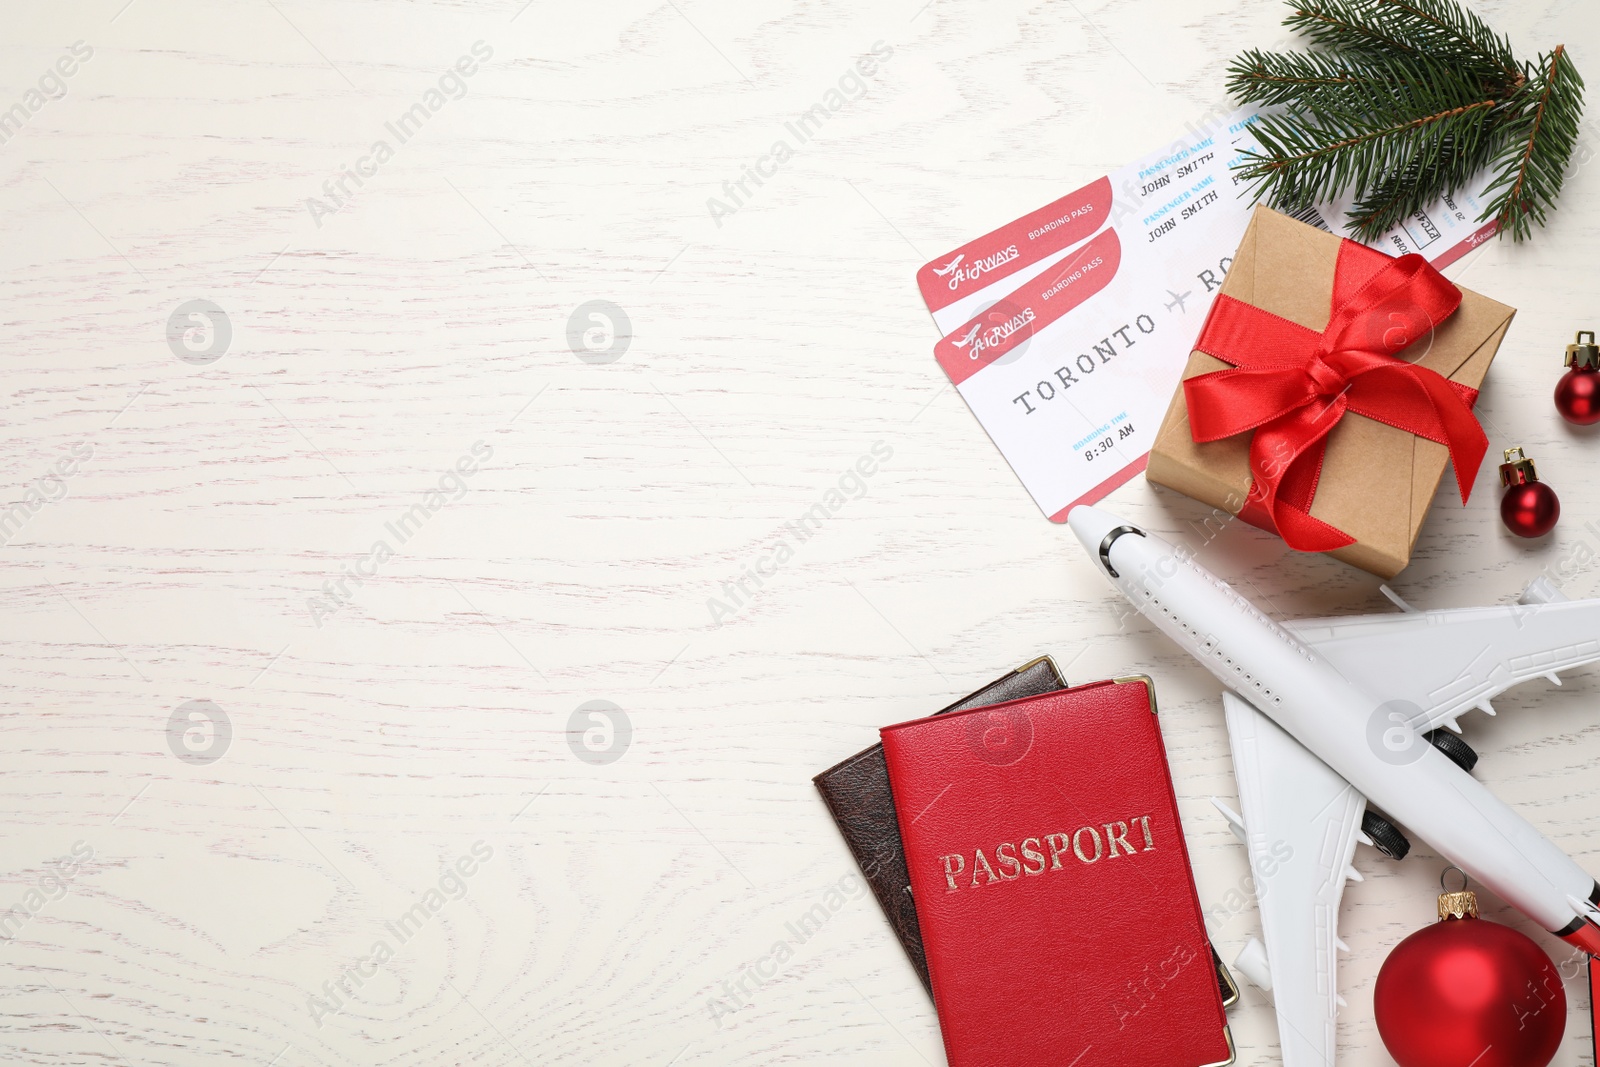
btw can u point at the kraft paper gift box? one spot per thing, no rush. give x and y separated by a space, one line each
1377 481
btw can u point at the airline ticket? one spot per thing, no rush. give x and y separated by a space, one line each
1067 330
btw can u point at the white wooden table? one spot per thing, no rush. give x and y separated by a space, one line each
394 803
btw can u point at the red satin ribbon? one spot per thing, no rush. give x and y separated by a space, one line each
1292 385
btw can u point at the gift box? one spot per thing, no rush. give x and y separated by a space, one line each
1329 388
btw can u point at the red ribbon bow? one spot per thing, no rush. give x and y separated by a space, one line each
1292 385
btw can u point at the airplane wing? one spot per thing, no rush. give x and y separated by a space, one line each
1301 823
1433 666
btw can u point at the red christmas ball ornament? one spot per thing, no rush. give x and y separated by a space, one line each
1530 507
1469 991
1578 391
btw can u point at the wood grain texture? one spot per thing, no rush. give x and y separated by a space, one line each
771 348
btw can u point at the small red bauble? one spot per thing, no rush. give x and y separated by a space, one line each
1530 507
1467 991
1578 391
1578 396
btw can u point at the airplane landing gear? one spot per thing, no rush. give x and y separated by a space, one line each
1386 836
1459 751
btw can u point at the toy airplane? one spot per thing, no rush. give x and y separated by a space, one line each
1328 716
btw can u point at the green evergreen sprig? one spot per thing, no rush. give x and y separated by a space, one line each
1405 101
1340 83
1541 134
1437 29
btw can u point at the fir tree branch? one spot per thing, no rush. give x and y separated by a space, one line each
1335 25
1539 143
1329 29
1256 76
1440 29
1350 87
1304 161
1514 194
1416 187
1383 208
1472 34
1405 102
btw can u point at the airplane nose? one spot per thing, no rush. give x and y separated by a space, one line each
1091 525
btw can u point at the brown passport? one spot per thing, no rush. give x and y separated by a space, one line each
857 794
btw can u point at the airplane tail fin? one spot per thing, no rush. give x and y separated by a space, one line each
1542 591
1594 1005
1586 936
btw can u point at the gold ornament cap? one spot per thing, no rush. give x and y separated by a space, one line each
1517 469
1582 353
1462 905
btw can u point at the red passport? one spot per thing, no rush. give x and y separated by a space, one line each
1053 886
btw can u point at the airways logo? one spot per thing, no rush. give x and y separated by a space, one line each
961 269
